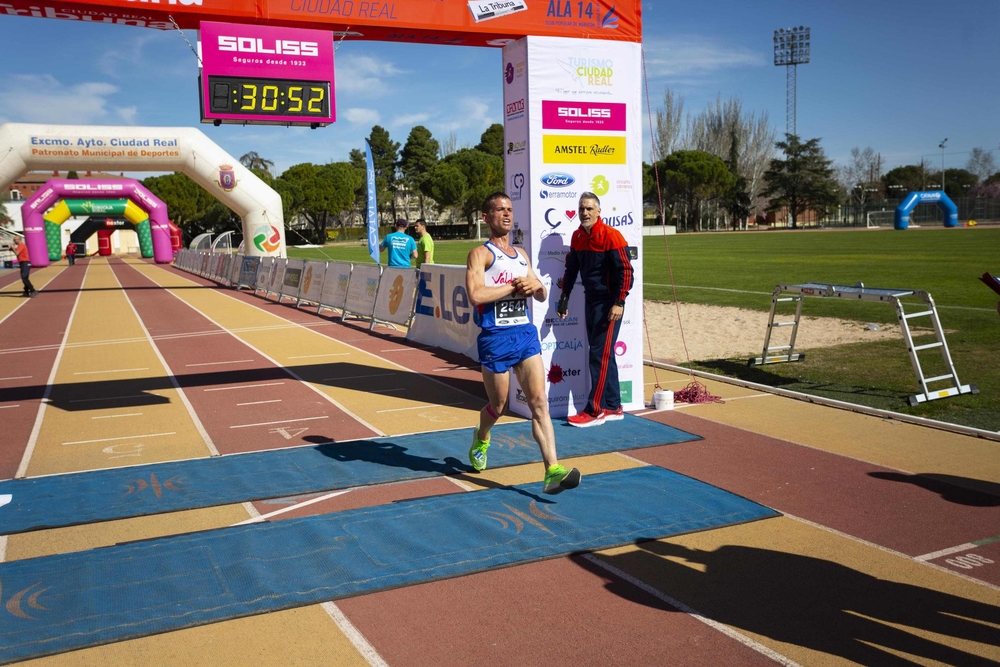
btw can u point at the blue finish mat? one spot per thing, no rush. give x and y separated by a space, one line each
104 495
70 601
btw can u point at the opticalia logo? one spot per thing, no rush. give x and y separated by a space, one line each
623 220
516 184
582 149
556 179
460 310
288 47
549 345
590 72
515 109
557 194
554 221
601 116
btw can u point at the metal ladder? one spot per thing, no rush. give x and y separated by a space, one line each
780 353
927 394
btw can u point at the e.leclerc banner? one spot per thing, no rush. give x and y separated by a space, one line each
372 207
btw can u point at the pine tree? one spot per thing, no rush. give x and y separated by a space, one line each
803 181
385 159
419 156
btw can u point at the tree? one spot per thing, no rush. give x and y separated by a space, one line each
491 141
385 158
72 175
861 177
803 181
692 178
189 205
5 220
957 182
483 174
901 180
449 145
419 156
668 123
981 163
446 184
255 162
318 193
736 200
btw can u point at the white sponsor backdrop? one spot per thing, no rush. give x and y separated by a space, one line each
443 315
395 296
264 273
335 283
311 285
277 276
362 289
582 101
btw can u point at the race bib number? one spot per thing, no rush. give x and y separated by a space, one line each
509 312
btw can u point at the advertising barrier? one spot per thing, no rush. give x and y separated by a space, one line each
248 272
292 279
443 315
311 285
234 271
396 292
277 277
361 290
335 283
226 274
264 272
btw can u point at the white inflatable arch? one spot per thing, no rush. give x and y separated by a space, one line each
25 147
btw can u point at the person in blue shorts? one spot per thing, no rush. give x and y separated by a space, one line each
401 246
499 280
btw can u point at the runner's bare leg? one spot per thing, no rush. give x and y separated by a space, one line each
531 376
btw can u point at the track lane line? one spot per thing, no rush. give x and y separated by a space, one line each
247 386
166 367
24 301
36 428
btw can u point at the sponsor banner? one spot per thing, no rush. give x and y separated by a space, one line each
264 271
443 315
515 92
249 268
292 278
579 115
234 270
362 289
335 283
227 268
311 285
582 149
277 276
396 292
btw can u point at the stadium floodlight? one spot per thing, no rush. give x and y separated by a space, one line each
791 48
941 146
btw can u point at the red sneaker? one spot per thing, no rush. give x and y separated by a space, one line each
585 419
614 415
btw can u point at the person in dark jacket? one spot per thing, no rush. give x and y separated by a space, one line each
599 255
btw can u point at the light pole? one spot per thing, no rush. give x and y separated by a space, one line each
791 48
941 146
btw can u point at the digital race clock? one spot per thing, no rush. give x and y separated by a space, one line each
261 75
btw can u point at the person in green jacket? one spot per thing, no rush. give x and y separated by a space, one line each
425 244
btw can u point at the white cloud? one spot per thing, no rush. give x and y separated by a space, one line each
411 119
364 76
692 56
471 113
41 98
357 115
129 57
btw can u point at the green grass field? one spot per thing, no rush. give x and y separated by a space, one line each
743 269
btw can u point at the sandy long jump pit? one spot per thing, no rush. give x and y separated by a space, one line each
726 332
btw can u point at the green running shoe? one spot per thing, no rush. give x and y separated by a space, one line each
558 479
477 453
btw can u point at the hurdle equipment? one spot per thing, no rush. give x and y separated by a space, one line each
784 353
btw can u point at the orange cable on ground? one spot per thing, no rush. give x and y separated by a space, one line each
694 391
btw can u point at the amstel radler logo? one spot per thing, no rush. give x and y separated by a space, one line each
582 149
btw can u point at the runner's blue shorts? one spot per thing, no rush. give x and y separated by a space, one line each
499 349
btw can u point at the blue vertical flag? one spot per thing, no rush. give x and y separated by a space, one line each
372 208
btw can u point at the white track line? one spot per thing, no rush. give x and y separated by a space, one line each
23 302
170 374
220 363
360 377
305 503
273 400
18 377
281 421
313 356
7 407
123 437
111 398
934 555
427 406
29 450
245 386
386 391
456 368
130 414
284 368
117 370
354 635
693 613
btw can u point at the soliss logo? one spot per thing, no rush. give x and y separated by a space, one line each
288 47
576 112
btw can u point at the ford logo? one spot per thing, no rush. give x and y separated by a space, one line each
556 179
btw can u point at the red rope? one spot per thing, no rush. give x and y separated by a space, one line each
695 391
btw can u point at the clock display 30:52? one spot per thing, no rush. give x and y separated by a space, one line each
269 97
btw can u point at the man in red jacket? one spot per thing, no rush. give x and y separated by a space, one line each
599 255
24 263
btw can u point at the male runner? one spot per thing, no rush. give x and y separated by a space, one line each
499 279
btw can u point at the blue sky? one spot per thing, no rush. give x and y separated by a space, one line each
894 75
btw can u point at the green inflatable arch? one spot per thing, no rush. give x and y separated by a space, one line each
67 208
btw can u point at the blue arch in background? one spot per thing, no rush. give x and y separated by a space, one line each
948 209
